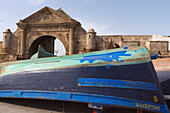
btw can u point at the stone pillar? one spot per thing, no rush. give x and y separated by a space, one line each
71 42
22 27
22 41
120 43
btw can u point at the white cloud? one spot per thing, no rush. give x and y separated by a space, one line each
36 2
98 27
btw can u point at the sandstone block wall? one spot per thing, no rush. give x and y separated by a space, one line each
102 42
136 37
133 40
13 46
81 40
1 48
159 47
130 43
115 38
7 58
1 44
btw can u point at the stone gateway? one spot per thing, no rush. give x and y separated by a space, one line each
47 24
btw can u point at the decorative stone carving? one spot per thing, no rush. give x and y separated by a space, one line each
47 15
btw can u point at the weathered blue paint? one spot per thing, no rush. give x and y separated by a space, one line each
154 56
108 65
96 82
109 57
125 48
88 98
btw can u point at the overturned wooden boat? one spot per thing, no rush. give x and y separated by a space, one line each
123 77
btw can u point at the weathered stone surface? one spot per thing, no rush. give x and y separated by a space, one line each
130 43
160 47
136 37
1 44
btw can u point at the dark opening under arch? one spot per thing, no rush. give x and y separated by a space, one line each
47 43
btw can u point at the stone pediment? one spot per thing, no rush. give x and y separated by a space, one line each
48 15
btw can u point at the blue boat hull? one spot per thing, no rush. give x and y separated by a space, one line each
134 88
122 77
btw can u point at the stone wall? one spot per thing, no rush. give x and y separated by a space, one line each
14 45
130 43
11 53
1 44
159 47
10 56
80 42
136 37
122 40
100 43
161 38
116 39
1 47
103 42
7 58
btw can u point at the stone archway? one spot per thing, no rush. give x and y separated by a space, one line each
46 40
32 31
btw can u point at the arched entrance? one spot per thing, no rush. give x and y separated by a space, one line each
47 43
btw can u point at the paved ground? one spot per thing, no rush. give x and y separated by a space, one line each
40 106
50 106
162 64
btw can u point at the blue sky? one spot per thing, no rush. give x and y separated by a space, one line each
124 17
